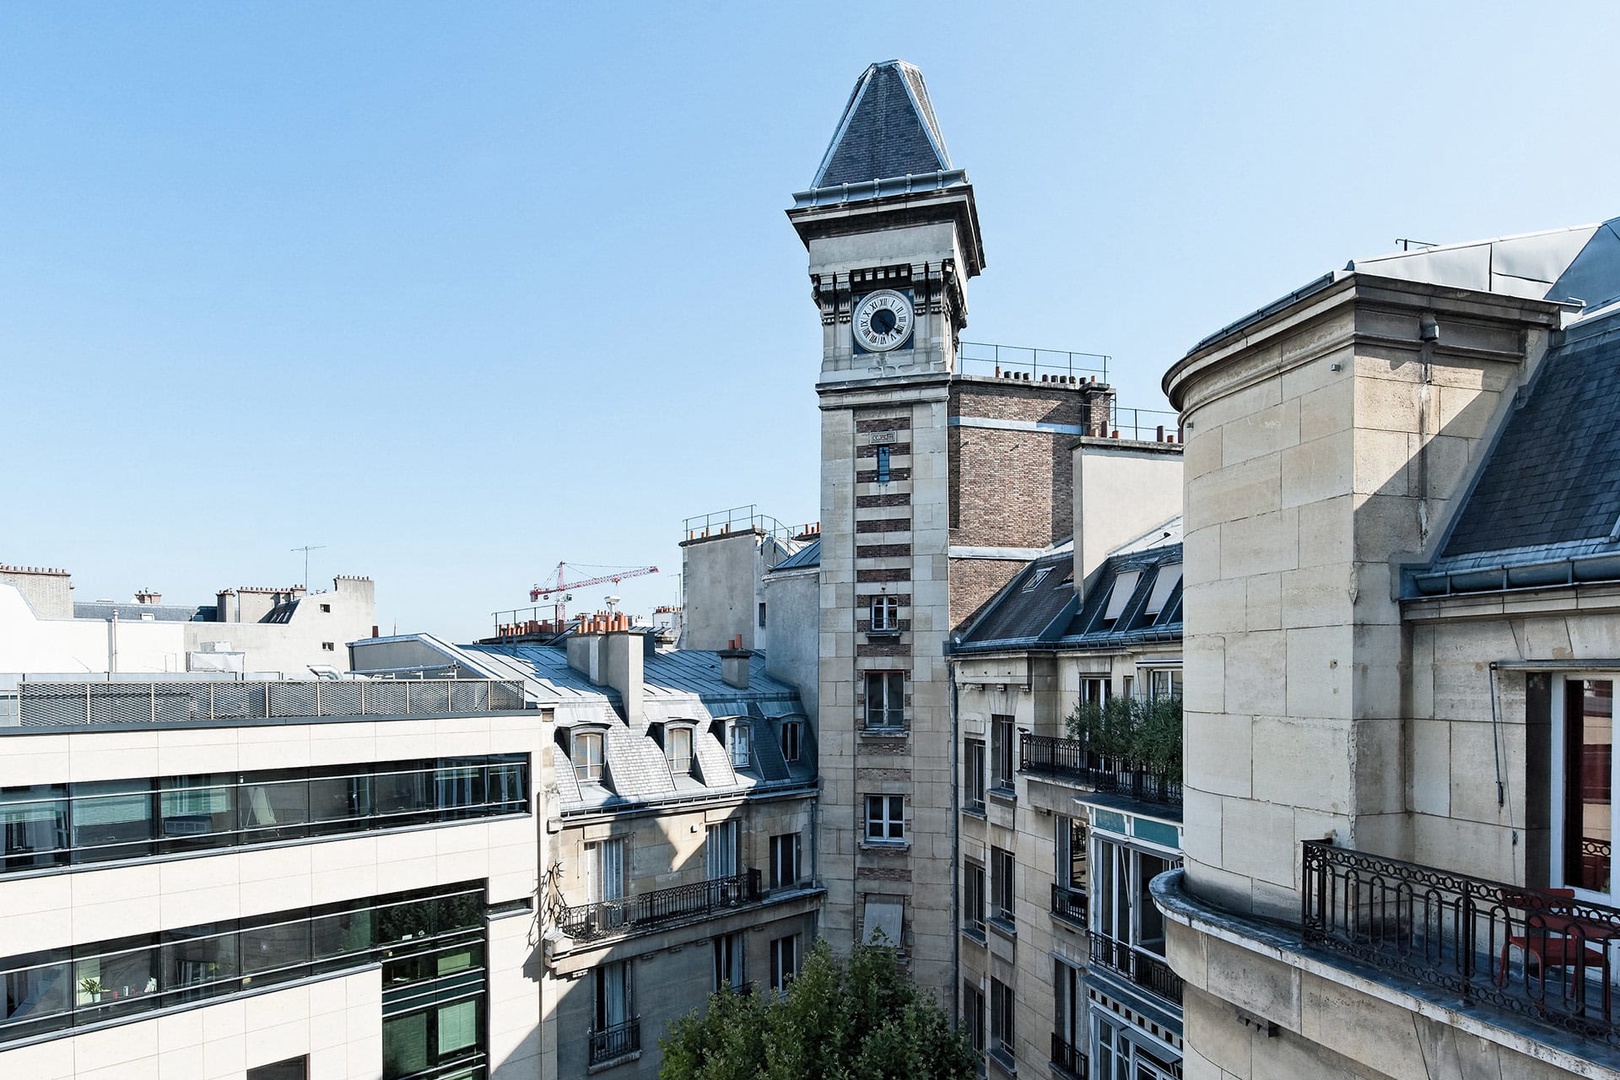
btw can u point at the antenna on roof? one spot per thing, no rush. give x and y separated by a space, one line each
1407 244
306 549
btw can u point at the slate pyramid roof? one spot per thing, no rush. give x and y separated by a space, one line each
888 130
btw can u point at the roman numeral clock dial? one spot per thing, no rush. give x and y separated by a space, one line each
883 320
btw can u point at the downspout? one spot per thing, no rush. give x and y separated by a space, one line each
956 853
1428 334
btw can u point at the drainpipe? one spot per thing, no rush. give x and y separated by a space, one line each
1428 334
112 642
956 854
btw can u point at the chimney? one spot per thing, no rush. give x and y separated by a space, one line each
147 596
734 664
623 656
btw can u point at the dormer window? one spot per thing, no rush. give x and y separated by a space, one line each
1163 585
792 740
586 752
737 741
678 750
885 613
1124 587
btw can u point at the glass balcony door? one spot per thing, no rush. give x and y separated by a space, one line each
1584 812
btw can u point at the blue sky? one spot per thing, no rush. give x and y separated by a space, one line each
462 290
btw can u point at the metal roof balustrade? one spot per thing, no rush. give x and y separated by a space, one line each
36 705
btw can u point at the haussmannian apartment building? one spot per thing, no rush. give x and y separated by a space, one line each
1402 636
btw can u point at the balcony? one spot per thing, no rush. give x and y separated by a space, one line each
1043 755
1542 954
616 1042
660 908
1069 904
1145 969
1069 1060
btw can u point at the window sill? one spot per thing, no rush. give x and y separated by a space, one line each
1005 927
611 1063
974 809
1004 1061
974 934
892 847
885 733
1002 794
883 635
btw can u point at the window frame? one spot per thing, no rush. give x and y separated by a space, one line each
679 765
975 755
787 853
792 740
1003 1020
884 614
881 687
1003 752
1571 780
730 962
606 870
973 1012
739 743
881 821
784 961
1003 888
722 844
586 770
973 897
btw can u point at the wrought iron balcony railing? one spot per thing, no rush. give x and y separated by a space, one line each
1069 904
612 1043
1540 953
1044 755
1068 1059
649 911
1145 969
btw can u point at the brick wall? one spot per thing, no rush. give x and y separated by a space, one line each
973 581
1011 488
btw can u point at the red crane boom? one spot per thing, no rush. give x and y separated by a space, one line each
556 585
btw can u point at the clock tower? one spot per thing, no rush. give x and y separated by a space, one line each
937 485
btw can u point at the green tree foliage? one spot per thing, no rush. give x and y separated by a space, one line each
860 1019
1138 732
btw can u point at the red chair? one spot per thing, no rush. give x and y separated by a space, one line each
1558 937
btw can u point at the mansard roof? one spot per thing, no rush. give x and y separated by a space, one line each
1544 508
888 130
1042 607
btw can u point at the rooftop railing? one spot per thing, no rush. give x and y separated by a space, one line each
110 704
740 519
1539 953
1043 755
998 361
653 910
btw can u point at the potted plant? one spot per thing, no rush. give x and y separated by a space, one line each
89 990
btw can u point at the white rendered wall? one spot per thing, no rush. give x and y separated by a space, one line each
96 904
337 1022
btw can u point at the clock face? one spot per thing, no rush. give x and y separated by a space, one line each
882 320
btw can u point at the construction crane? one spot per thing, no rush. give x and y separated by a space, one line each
556 586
